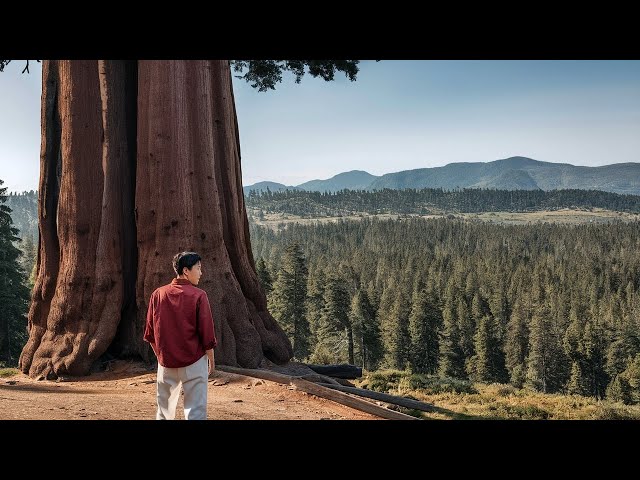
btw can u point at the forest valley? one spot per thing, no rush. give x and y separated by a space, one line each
552 308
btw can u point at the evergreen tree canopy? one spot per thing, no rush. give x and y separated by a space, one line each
265 277
287 302
14 295
556 294
366 327
265 74
425 321
335 329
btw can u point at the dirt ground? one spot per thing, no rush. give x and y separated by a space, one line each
127 391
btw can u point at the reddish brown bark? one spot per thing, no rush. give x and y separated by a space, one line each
49 187
95 257
78 296
189 197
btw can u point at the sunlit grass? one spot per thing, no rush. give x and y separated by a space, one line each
564 215
460 399
8 372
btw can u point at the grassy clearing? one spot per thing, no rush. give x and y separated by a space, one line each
8 372
459 399
566 216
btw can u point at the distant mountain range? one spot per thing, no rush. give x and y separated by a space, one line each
515 173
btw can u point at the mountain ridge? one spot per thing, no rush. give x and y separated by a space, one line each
508 174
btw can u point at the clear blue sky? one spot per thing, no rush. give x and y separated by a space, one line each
398 115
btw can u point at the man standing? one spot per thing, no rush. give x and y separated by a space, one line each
180 329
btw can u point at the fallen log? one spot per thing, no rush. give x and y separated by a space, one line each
384 397
317 378
343 370
320 391
348 400
341 381
257 373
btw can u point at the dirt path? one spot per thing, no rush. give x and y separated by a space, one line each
128 392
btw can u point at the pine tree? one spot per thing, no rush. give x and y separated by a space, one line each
366 330
264 276
516 344
488 362
32 276
478 309
619 390
14 295
471 286
573 337
632 375
424 322
629 295
625 342
395 333
499 309
544 353
577 383
593 352
374 296
29 256
335 331
287 302
466 329
617 357
383 313
316 285
450 356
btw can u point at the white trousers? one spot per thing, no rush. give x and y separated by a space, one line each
193 379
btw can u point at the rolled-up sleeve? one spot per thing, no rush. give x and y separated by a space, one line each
148 328
206 329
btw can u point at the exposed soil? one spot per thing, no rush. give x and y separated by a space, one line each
127 391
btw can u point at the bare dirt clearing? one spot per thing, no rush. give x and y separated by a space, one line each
128 392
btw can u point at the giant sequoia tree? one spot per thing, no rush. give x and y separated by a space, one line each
140 160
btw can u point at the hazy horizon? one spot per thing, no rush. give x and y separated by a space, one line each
398 115
398 171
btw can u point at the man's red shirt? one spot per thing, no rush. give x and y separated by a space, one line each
179 324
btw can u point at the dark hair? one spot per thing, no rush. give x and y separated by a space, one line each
185 259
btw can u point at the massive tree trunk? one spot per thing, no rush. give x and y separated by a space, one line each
162 134
189 197
87 229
